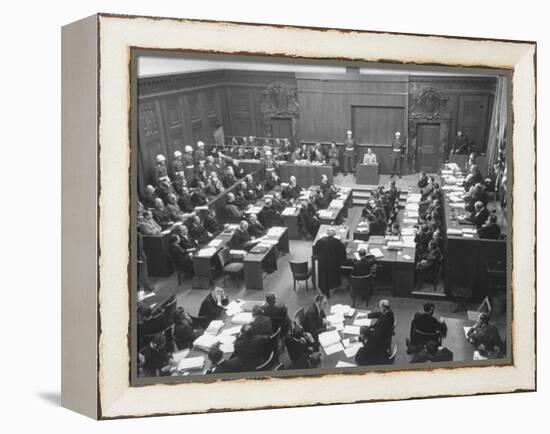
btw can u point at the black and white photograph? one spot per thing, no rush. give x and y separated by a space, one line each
297 217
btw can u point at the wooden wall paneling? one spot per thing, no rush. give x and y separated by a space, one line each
150 136
173 124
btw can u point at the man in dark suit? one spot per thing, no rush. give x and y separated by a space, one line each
181 258
262 323
185 203
212 307
220 366
186 242
423 180
255 228
299 346
463 144
211 224
250 348
232 213
424 328
380 334
315 318
277 312
241 238
331 254
490 230
479 216
292 190
363 266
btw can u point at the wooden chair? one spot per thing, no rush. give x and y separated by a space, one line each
300 272
279 367
393 351
361 286
169 309
267 364
229 268
299 317
273 343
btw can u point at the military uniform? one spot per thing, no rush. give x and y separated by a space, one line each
200 155
397 153
334 158
349 154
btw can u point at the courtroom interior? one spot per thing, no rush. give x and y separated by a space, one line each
291 215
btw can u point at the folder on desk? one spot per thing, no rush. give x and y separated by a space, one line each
333 348
288 211
377 253
335 318
342 309
205 342
351 330
242 318
214 327
362 322
342 364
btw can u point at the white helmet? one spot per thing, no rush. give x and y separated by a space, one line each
188 149
200 144
160 158
177 154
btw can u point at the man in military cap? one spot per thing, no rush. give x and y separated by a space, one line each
349 153
397 153
161 171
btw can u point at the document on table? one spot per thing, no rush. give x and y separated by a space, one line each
191 363
364 246
412 214
342 309
333 348
242 318
288 211
215 242
362 314
342 364
336 318
276 230
178 355
466 330
214 327
377 253
362 322
325 214
231 331
234 307
205 342
227 348
351 351
326 339
207 251
351 330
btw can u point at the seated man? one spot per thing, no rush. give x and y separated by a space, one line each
299 346
327 189
479 216
484 333
364 265
430 259
185 332
149 196
155 357
490 230
198 231
212 307
269 216
424 328
261 325
474 176
211 224
184 201
255 228
182 259
147 225
229 178
241 238
176 214
198 197
277 312
292 190
250 348
232 213
431 352
186 242
220 366
368 354
315 319
161 214
272 181
308 219
369 157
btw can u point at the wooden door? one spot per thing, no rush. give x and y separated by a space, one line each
429 138
472 119
281 128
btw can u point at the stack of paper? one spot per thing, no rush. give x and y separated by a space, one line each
408 231
325 214
452 231
207 252
191 363
337 203
214 327
351 348
237 253
178 355
410 221
205 342
215 242
351 330
333 348
253 209
342 309
234 307
364 246
326 339
411 214
336 318
242 318
411 207
395 245
289 211
362 322
377 253
231 331
408 241
275 230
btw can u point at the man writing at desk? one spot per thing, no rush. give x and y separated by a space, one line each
369 157
213 305
241 239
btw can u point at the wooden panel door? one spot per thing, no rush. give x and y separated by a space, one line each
429 138
472 119
240 106
281 128
150 139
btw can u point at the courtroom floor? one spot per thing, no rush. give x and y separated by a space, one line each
280 282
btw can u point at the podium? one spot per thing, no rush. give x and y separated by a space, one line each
367 174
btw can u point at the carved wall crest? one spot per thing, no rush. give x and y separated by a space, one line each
279 100
430 104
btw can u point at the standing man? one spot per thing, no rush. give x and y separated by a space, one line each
349 153
334 157
397 153
331 254
369 157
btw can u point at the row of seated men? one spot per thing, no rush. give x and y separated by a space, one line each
271 323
